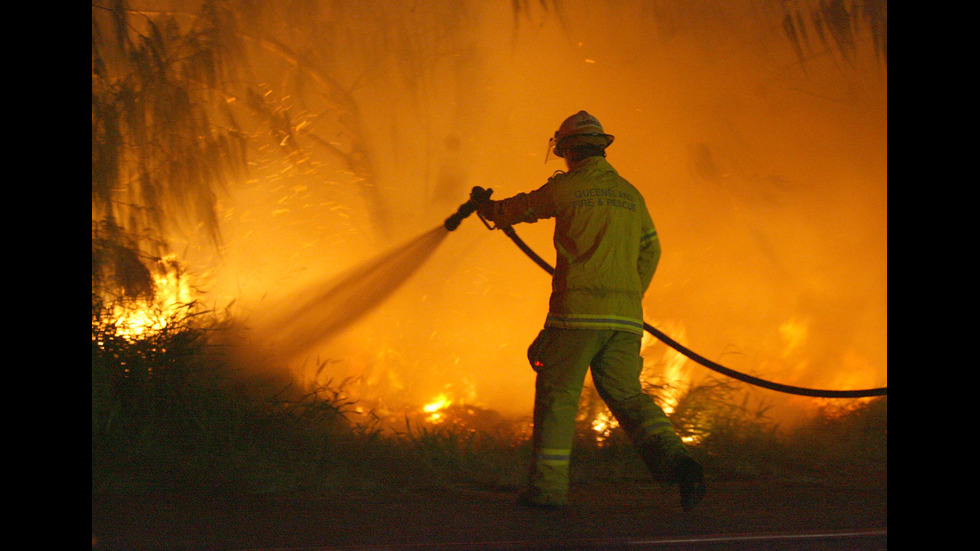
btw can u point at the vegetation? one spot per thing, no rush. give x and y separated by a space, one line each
181 109
190 97
171 413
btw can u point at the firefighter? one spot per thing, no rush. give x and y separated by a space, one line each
607 251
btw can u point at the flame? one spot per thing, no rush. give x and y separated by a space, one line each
440 402
672 365
783 193
603 425
794 333
142 319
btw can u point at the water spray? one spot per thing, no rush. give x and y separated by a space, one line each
326 307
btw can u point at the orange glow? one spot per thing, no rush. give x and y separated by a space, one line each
440 402
603 424
670 365
766 179
138 320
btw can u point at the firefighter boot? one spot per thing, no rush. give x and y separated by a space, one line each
669 462
690 478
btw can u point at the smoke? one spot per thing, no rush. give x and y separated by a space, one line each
766 179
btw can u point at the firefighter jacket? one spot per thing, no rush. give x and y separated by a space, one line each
607 246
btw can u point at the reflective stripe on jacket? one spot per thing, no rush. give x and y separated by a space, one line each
607 246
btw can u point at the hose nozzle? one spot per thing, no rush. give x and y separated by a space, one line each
477 196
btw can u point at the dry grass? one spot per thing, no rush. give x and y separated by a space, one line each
169 414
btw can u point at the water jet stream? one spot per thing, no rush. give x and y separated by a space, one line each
321 310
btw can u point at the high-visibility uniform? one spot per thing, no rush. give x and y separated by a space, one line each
607 251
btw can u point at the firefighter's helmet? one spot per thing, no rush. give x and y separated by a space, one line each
578 130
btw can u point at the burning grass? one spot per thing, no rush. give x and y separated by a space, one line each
171 413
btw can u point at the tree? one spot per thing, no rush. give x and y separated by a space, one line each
177 110
182 101
837 25
158 157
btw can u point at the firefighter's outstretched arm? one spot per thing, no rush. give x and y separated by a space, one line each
521 208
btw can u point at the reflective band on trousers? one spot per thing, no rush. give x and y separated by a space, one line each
553 456
653 427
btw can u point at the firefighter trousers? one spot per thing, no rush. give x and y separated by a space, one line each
561 357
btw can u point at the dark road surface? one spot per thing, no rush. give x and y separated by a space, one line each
734 515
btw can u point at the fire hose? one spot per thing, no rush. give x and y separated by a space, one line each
479 195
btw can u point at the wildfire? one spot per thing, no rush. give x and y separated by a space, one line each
136 321
603 424
794 333
439 403
673 366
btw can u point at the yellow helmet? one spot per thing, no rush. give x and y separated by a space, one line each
585 129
